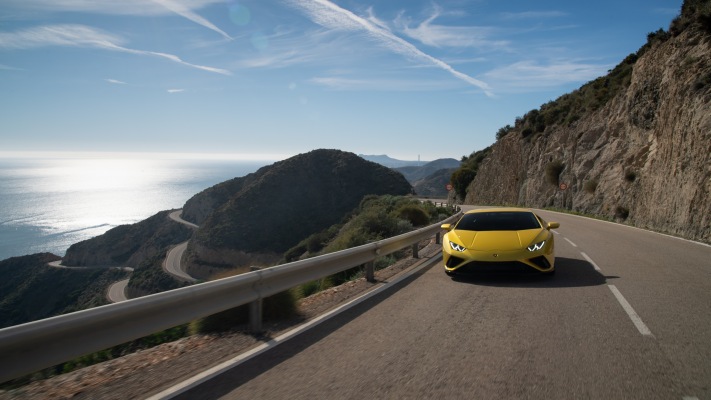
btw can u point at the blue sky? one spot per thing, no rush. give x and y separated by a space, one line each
274 78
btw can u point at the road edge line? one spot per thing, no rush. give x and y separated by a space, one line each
210 373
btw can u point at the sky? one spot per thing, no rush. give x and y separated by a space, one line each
269 79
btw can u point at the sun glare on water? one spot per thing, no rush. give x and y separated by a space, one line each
104 174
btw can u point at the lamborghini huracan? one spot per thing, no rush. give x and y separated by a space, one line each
499 239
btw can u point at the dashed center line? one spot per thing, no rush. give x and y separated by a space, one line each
585 256
568 240
636 320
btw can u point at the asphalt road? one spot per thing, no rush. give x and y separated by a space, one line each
117 291
626 316
171 264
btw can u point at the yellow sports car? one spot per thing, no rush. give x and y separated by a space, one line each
499 239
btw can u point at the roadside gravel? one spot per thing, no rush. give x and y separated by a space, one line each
149 371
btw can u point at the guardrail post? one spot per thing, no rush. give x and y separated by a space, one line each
370 271
255 316
438 238
256 311
415 250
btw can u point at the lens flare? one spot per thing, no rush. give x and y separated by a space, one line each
240 15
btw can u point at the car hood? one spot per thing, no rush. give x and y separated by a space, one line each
497 240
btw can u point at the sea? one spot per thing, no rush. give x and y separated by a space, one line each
47 203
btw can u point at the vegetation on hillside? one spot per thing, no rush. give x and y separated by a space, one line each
149 277
118 245
462 177
31 290
295 198
376 218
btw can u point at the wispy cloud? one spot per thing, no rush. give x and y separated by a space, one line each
123 7
185 11
171 91
116 82
348 84
529 75
9 68
331 16
184 8
83 36
532 15
431 34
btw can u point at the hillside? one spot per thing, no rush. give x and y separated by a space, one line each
128 245
31 290
634 145
282 204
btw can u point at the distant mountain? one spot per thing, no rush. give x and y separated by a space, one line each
431 179
256 218
391 162
417 173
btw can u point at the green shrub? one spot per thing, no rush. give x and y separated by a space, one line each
414 213
503 132
622 212
309 288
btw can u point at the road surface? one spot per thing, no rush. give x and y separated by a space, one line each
117 291
171 264
626 316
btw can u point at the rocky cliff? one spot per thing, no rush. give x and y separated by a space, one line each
634 145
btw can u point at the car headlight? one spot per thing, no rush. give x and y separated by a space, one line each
537 246
457 247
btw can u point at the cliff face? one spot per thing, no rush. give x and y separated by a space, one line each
643 157
280 205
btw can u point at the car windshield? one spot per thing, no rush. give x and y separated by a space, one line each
498 221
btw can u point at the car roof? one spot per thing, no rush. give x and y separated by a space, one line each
498 209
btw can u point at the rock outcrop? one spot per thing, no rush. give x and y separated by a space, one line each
643 155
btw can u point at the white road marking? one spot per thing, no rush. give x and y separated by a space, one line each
591 262
568 240
636 320
241 358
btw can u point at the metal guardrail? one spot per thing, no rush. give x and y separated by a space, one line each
40 344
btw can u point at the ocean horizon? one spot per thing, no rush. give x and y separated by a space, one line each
49 202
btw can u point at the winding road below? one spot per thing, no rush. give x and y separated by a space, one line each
627 315
172 264
117 291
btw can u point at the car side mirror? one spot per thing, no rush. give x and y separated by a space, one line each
446 227
553 225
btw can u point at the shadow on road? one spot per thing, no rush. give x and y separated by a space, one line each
570 272
221 385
